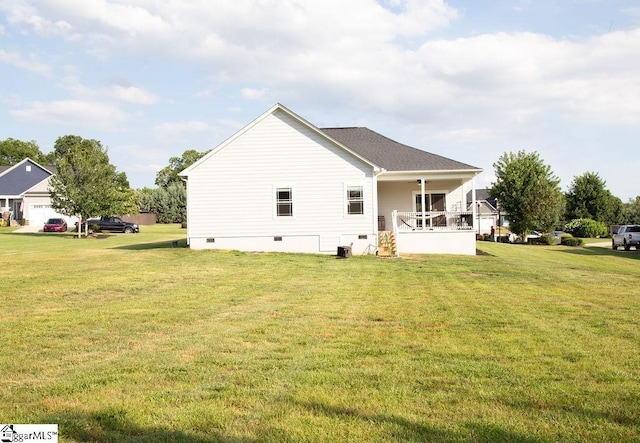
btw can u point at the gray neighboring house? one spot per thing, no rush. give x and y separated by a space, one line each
24 193
487 212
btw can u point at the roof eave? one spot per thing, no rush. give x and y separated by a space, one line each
445 174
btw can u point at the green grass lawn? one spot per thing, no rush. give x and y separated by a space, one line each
126 338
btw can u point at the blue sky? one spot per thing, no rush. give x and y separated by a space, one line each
466 79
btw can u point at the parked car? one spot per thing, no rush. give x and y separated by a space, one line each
531 235
55 225
111 224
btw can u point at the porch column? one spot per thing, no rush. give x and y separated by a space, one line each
424 224
476 221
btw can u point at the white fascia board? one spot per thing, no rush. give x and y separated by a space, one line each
461 174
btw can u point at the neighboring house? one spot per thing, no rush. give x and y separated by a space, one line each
24 192
282 184
487 212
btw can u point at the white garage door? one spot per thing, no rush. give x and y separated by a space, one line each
39 214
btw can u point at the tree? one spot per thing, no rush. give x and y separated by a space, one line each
170 203
144 197
588 197
13 151
169 174
528 191
85 183
631 212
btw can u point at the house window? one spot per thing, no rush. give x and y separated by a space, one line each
435 202
355 200
284 202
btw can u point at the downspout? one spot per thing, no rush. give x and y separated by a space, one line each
186 183
374 184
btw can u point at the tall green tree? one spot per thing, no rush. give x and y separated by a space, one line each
169 174
170 203
528 191
588 197
85 183
169 200
144 197
13 151
631 212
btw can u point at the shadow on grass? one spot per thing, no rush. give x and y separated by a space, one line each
112 425
601 251
624 417
182 243
407 430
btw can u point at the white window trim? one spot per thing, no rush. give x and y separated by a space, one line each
275 201
345 204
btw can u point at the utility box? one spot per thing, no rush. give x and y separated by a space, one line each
344 251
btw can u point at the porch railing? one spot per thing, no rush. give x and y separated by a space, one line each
433 221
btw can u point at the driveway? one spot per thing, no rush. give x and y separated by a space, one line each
30 228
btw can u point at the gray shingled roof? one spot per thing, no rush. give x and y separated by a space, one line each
389 154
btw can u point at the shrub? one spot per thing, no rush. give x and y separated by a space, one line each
572 241
586 228
546 239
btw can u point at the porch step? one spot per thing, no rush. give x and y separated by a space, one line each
387 244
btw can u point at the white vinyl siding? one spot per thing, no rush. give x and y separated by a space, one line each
231 193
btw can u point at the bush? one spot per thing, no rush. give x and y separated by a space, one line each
572 241
586 228
546 239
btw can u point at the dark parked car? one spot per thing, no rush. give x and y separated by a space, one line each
55 225
112 224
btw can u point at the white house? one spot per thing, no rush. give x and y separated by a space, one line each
282 184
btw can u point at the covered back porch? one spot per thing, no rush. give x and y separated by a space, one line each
425 213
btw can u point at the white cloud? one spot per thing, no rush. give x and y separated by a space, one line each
177 130
75 112
466 135
254 94
21 13
123 93
133 95
17 60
